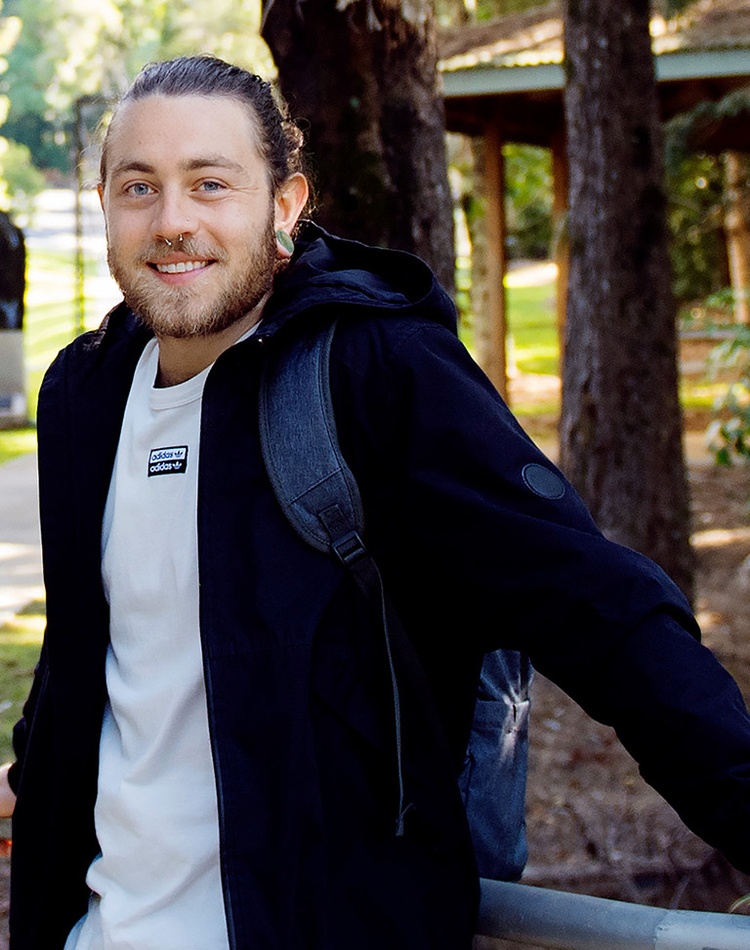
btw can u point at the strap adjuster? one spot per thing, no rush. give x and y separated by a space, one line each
350 549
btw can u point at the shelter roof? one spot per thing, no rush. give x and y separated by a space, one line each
515 63
536 37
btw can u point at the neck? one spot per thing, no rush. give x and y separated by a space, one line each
182 358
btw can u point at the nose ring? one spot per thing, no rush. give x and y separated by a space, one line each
180 239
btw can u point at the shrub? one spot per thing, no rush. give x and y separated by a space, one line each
729 434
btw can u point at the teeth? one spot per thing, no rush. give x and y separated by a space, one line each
182 267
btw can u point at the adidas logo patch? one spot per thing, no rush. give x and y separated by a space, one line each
171 460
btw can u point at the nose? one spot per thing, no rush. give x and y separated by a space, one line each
172 217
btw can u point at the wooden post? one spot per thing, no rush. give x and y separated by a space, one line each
560 226
737 226
495 359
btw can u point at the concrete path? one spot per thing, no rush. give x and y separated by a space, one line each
20 549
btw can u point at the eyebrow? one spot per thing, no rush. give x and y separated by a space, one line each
189 165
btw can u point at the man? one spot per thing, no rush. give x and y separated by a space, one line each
207 758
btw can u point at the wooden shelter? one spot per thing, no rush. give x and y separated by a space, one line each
504 80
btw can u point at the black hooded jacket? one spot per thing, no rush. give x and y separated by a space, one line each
481 544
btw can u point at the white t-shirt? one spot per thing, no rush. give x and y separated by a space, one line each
156 884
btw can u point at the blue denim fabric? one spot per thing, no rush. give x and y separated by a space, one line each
493 780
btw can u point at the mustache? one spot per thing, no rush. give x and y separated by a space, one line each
159 252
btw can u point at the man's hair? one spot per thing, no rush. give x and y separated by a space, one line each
280 139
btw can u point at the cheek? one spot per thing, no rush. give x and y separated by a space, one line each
120 234
244 223
124 227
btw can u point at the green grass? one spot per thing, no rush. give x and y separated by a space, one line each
51 312
532 322
535 349
20 642
50 324
15 442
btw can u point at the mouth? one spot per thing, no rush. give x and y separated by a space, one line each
180 267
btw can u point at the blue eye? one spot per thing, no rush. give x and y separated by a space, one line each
211 186
140 188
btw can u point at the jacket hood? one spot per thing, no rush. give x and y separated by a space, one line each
331 271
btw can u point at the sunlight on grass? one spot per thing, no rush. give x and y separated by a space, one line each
534 348
50 323
20 642
533 344
15 442
700 393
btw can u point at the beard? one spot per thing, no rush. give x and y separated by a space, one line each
182 312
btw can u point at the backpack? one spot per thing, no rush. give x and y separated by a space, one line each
320 498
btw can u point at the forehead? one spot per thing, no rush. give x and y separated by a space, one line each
169 130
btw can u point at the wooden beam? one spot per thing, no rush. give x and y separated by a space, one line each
495 356
559 219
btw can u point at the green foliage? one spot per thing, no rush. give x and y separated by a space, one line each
729 433
673 7
528 176
695 186
451 12
20 181
73 48
528 196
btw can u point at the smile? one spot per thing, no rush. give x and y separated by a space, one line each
182 267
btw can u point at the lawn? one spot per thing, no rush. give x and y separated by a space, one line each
50 323
20 641
533 330
51 310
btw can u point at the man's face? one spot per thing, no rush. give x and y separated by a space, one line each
188 166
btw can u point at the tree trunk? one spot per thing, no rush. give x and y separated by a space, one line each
621 422
363 74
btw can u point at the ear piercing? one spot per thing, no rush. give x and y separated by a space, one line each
285 242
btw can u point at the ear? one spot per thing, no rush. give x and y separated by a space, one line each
289 201
100 191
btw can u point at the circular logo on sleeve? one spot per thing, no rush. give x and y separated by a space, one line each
543 481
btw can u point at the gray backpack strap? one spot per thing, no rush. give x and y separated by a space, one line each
314 485
316 489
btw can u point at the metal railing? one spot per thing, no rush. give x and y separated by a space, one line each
562 921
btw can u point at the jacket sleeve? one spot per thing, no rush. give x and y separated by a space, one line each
485 545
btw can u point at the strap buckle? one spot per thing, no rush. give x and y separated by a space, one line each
350 549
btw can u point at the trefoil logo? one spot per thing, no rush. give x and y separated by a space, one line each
170 460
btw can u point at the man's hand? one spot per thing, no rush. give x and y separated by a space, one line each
7 796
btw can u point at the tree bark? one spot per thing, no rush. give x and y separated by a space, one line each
621 425
363 74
